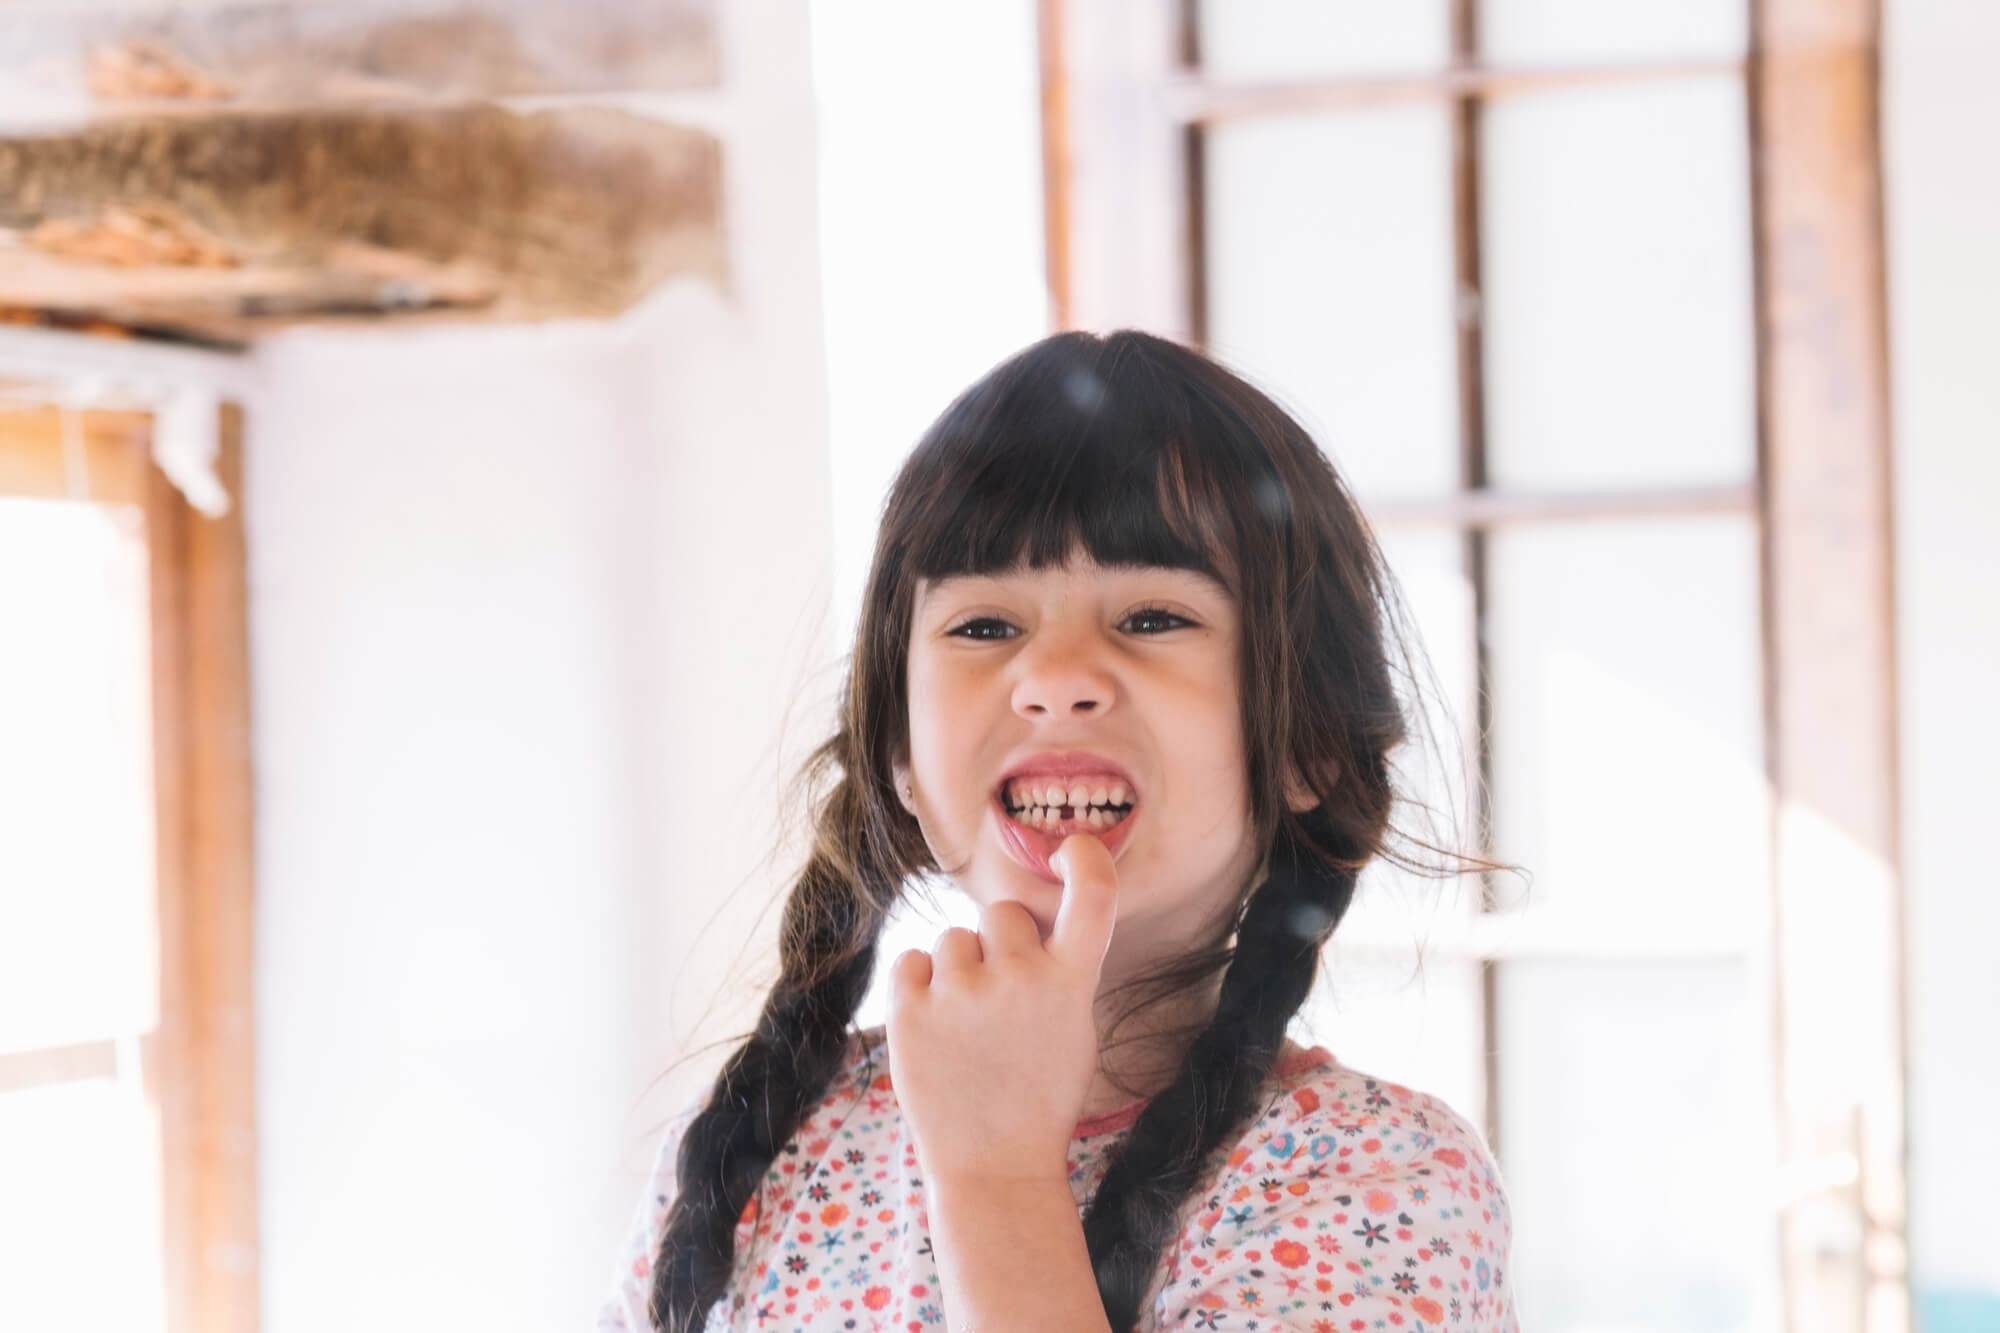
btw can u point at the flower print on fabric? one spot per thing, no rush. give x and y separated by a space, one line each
1352 1204
1349 1204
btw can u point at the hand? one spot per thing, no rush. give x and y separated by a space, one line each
993 1037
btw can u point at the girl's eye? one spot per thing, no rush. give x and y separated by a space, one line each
984 628
1159 618
1146 620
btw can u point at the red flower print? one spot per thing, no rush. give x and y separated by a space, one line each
1307 1099
1428 1309
1290 1253
1379 1201
1451 1157
875 1297
832 1213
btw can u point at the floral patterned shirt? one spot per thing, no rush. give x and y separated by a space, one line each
1350 1203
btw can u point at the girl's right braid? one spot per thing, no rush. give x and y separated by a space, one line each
765 1089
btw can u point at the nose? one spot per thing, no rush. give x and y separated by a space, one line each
1062 677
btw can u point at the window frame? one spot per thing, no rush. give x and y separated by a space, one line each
1124 107
198 1066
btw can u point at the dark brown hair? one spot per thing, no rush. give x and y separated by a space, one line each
1138 451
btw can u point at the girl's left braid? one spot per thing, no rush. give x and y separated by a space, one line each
1135 1214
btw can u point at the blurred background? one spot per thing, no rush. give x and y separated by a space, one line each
440 449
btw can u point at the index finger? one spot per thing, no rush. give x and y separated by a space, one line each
1089 903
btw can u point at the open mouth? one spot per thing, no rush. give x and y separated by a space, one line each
1037 810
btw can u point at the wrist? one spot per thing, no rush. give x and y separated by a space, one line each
997 1187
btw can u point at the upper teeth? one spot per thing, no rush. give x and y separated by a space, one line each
1055 792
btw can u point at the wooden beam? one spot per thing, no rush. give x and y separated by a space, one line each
206 903
97 59
1831 673
235 224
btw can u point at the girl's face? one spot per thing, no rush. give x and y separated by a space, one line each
1087 698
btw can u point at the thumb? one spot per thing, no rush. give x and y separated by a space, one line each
1089 903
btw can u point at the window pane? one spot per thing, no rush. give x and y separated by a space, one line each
1627 731
1411 1022
1329 271
78 956
1619 340
1429 568
1393 907
1295 39
1579 32
1639 1083
80 1211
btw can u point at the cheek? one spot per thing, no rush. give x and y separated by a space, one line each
943 736
1213 737
927 709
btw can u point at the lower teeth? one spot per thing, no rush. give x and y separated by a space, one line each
1106 816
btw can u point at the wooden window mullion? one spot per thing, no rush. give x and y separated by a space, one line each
206 1073
1468 297
1126 260
1198 100
1830 673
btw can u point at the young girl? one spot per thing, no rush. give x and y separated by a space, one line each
1121 676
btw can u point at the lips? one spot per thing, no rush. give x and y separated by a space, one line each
1066 764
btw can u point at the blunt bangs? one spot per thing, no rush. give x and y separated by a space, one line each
1082 444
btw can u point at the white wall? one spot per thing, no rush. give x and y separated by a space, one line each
931 227
1941 107
931 236
528 608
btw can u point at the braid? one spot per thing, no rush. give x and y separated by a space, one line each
765 1088
1134 1215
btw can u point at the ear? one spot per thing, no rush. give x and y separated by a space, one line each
1298 796
899 775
